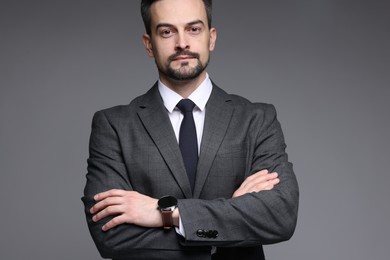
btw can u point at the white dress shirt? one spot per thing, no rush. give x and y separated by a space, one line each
200 97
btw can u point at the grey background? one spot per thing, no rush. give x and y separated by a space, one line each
323 63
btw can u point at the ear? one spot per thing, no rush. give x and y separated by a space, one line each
147 41
213 38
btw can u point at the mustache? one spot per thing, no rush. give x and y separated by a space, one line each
183 53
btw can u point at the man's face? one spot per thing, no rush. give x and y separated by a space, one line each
180 39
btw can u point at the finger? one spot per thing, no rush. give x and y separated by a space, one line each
253 180
252 177
257 174
259 178
263 179
109 211
262 183
109 193
274 181
114 222
110 201
268 185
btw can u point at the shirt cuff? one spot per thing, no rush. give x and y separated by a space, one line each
180 229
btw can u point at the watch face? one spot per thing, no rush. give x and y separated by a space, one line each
167 202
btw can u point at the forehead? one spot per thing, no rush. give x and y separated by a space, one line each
178 12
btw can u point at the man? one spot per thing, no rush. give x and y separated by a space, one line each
240 191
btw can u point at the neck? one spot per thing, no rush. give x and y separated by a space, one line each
183 87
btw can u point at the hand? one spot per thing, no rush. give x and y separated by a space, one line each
259 181
128 206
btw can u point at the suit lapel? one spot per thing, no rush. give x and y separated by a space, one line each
156 122
219 111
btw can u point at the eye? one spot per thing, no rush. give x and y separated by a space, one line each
166 33
195 30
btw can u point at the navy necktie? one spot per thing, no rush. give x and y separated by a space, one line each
187 139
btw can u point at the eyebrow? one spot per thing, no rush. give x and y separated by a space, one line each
171 25
196 22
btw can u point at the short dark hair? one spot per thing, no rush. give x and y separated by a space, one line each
147 17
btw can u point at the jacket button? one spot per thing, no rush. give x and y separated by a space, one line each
212 233
200 233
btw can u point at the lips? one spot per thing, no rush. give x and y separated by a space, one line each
184 56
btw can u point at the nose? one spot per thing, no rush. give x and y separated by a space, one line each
181 42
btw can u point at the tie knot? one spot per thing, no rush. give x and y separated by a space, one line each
186 105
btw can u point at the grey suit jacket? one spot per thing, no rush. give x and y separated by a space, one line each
133 147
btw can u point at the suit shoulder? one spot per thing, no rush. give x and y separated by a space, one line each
119 111
149 97
244 106
115 111
244 103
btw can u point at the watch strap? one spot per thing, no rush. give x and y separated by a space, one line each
167 219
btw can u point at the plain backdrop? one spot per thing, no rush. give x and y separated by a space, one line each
324 64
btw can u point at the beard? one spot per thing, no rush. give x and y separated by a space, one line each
184 72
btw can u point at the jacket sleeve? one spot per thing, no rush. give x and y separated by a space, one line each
107 170
252 219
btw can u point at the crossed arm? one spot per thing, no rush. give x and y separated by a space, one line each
135 208
262 210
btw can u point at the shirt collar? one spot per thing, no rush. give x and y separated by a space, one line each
200 96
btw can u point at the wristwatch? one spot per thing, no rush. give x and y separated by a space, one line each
167 205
